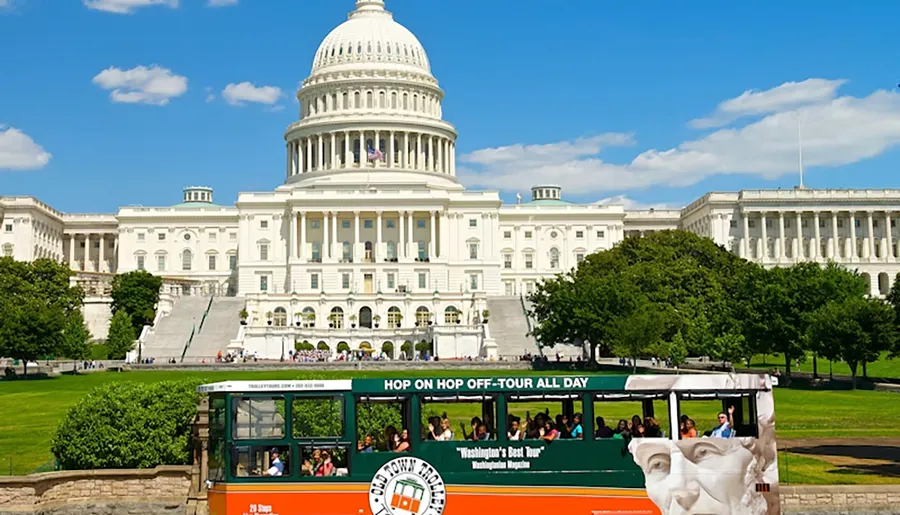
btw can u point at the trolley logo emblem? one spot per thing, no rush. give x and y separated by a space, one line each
407 486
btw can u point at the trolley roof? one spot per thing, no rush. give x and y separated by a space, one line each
545 384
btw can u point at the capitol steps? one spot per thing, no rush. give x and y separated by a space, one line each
168 338
220 327
509 326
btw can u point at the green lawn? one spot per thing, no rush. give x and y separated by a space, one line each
796 469
884 367
31 410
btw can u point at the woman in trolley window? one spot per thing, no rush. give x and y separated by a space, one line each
407 495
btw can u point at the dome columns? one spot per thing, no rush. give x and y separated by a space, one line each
390 149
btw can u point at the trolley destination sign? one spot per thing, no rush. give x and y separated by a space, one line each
491 384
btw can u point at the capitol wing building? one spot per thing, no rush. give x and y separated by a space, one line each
372 243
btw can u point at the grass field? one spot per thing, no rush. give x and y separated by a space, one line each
884 367
31 410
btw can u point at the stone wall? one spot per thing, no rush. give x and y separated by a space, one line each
834 499
159 491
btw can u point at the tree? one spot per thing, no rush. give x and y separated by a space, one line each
634 333
893 297
76 341
136 293
37 299
855 330
121 335
728 347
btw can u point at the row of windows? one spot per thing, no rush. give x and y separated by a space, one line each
336 317
823 223
428 104
529 259
211 236
474 281
421 223
187 261
507 235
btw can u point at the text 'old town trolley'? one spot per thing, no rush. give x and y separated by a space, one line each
660 444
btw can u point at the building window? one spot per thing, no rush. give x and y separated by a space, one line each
263 252
345 281
232 262
264 283
733 224
263 224
768 223
856 223
507 261
787 224
420 224
601 234
212 236
390 224
140 234
313 281
347 252
473 222
391 250
473 281
554 258
7 250
473 251
161 263
161 237
390 281
874 224
579 234
507 235
367 224
232 236
345 224
451 315
529 260
9 229
393 317
421 249
212 261
316 252
528 235
140 262
314 224
423 280
187 237
579 257
840 224
186 258
751 224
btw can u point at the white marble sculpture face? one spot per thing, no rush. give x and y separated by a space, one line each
700 475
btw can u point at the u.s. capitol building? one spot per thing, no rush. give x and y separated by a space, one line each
371 238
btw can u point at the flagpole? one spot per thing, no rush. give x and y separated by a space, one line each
800 147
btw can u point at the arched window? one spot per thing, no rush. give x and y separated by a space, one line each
370 256
345 100
336 318
356 151
308 317
415 104
422 252
394 317
357 100
554 258
406 101
365 317
347 252
369 99
394 100
280 319
316 252
422 316
187 258
391 250
334 101
884 283
451 315
381 100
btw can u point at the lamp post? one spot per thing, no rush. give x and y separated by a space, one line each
282 348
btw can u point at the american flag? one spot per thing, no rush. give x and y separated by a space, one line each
375 154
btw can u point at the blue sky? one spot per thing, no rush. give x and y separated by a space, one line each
639 99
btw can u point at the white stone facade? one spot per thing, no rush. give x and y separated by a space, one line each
372 222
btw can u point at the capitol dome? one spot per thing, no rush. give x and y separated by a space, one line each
370 36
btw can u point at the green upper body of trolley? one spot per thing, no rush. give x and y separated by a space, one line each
238 409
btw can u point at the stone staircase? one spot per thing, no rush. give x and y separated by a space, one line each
220 327
168 338
509 326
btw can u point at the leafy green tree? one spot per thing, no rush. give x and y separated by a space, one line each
855 330
635 333
304 346
893 297
728 347
76 340
35 303
136 293
121 335
128 425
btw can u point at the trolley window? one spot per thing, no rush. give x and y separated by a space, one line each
547 417
385 420
622 415
459 417
257 418
317 417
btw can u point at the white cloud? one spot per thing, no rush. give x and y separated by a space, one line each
19 152
210 96
275 108
787 95
221 3
237 94
126 6
631 204
836 131
142 85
